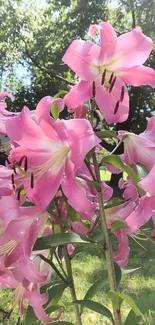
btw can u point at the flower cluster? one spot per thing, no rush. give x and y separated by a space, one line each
48 161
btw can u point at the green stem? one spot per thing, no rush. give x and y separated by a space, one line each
54 268
117 146
89 168
60 264
70 275
108 248
72 286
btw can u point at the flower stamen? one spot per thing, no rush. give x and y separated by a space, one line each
103 77
112 85
93 90
116 107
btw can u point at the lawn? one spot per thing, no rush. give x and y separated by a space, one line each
88 267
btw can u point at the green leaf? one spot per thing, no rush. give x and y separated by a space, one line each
118 224
55 292
95 306
106 134
147 236
90 154
61 323
61 93
96 235
117 162
97 286
141 170
128 271
55 240
72 214
30 316
131 303
132 319
144 306
118 273
55 110
116 300
28 203
128 299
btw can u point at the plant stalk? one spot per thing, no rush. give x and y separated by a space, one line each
70 275
107 244
72 286
54 268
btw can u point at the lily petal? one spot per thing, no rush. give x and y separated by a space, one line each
79 58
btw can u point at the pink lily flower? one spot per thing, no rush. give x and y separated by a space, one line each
6 186
27 290
81 111
140 148
104 70
51 148
19 229
130 191
120 212
82 195
135 217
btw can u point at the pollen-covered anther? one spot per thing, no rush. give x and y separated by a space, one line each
122 94
32 181
93 90
111 78
103 77
116 107
112 85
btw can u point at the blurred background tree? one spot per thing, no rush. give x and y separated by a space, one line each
35 34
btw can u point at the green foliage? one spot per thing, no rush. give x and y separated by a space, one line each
95 306
59 239
117 162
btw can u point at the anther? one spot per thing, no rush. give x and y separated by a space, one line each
111 78
93 90
32 181
103 77
8 161
122 94
25 162
112 85
116 107
14 169
13 181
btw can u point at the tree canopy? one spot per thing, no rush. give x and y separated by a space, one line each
35 34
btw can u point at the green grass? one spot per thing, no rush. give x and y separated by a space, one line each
88 267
